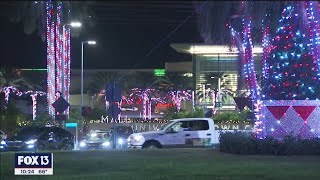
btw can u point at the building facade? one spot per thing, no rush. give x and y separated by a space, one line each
216 68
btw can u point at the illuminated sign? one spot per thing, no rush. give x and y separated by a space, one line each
159 72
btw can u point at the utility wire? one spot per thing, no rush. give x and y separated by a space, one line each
204 3
176 29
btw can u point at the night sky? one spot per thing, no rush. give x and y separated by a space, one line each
125 32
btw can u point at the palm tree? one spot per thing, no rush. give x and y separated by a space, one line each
179 81
33 15
12 77
213 30
98 85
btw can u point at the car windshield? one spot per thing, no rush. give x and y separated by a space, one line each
97 136
166 125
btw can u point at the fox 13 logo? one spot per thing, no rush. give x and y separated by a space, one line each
33 164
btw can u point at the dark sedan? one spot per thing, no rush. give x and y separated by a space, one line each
39 138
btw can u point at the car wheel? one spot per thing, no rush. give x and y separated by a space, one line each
151 145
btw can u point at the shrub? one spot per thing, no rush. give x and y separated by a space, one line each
245 143
238 143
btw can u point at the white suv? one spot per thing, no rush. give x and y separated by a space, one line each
187 132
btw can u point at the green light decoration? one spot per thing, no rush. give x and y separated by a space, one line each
159 72
33 69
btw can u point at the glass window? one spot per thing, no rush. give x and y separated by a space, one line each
199 125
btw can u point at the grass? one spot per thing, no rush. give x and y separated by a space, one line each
171 164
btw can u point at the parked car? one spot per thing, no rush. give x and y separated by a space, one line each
188 132
121 134
39 138
96 140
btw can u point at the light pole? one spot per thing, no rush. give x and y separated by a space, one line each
82 44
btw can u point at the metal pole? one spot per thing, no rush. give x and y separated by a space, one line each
76 146
81 77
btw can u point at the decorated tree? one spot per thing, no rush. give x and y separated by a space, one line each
291 75
292 72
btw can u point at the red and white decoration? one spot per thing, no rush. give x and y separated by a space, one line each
300 118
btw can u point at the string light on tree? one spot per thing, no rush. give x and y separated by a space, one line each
293 70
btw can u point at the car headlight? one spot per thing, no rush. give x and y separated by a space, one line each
107 143
120 141
82 144
31 141
3 143
137 137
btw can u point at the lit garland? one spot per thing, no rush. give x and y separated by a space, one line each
248 56
149 96
34 96
11 89
314 32
293 78
248 63
58 50
266 45
68 69
291 63
178 96
50 58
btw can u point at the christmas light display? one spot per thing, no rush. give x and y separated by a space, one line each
67 69
148 97
58 55
11 89
58 50
313 14
291 64
266 45
50 57
291 86
248 60
7 91
34 96
178 96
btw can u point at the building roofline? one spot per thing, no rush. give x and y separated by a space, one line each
189 48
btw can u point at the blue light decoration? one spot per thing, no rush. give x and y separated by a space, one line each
248 66
266 46
313 14
292 80
291 62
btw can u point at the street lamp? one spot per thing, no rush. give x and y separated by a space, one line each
75 24
82 44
